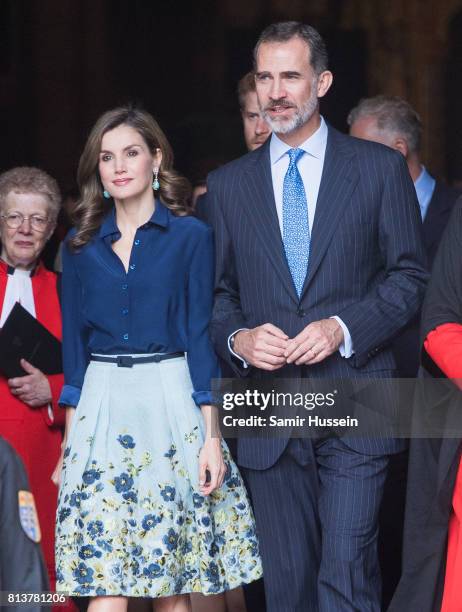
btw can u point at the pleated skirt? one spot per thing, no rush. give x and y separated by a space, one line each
131 519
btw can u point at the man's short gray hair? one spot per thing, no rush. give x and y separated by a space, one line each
286 30
393 114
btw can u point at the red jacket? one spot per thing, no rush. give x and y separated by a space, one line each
30 431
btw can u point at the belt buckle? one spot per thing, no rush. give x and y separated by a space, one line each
125 361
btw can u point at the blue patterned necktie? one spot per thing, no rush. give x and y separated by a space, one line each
295 224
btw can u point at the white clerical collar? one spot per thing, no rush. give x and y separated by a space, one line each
315 145
18 289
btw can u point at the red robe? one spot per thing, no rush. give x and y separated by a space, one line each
30 431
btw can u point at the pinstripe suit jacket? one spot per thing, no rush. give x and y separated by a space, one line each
367 264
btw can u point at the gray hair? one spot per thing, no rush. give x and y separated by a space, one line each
393 114
286 30
27 179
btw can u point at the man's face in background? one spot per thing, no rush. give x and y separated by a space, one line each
256 130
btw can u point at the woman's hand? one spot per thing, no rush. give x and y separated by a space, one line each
211 460
33 389
211 455
57 472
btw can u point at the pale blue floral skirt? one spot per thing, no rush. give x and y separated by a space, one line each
131 519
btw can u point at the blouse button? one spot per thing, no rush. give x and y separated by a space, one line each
125 311
125 336
125 286
132 266
137 242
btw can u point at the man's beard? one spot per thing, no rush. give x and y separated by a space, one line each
301 114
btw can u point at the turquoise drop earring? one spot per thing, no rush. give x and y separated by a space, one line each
106 194
155 182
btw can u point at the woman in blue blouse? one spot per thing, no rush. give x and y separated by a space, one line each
150 504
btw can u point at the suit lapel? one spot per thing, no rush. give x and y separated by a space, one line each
260 206
338 181
435 218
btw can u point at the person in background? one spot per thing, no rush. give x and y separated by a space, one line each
70 198
30 419
432 551
256 129
21 560
392 121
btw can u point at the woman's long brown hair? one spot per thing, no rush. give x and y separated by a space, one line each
174 191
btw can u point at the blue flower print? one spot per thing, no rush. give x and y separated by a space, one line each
228 473
63 514
150 521
171 540
100 591
198 500
213 549
123 483
213 573
126 441
136 551
233 482
95 528
89 476
135 567
76 498
104 545
187 547
66 452
89 551
82 589
153 571
168 493
170 453
83 574
130 496
205 520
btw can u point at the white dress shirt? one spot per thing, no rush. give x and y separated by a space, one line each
310 166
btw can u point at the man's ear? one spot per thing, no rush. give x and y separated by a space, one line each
325 80
400 144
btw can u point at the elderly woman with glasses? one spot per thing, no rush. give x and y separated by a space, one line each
29 415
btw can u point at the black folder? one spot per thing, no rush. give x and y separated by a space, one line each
23 337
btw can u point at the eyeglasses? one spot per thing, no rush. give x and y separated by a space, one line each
14 220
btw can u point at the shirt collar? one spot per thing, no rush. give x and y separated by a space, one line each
10 270
315 145
424 186
160 217
424 181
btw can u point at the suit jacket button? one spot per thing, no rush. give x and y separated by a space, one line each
300 312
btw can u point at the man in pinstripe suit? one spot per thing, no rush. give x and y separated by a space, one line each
363 277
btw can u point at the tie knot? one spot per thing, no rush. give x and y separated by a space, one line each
294 155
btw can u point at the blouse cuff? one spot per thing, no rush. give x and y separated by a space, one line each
70 396
203 397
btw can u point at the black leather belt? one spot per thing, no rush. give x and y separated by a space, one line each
128 361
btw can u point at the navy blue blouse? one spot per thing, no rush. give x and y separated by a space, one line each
162 305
